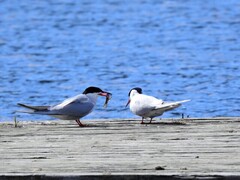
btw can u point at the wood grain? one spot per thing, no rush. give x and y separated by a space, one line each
189 147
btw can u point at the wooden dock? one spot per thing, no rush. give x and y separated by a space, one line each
121 149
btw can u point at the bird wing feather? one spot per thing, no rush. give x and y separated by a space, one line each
79 99
35 108
170 105
79 105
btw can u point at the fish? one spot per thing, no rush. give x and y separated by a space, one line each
108 97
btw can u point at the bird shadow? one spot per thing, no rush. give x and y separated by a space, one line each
166 123
89 126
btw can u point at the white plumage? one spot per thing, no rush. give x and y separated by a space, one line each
149 106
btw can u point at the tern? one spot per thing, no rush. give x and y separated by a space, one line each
73 108
149 106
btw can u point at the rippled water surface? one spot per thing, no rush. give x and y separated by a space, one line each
174 50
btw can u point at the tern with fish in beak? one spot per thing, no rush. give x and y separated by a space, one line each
149 106
73 108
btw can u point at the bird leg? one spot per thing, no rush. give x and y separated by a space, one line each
79 123
142 120
150 121
182 115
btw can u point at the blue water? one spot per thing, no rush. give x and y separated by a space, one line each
174 50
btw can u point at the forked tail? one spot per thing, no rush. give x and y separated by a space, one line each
34 108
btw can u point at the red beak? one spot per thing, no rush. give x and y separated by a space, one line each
128 103
104 93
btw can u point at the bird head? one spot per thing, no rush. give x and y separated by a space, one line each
132 92
99 92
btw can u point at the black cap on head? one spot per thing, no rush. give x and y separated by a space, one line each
139 90
92 90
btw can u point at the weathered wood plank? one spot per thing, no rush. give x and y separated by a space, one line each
202 147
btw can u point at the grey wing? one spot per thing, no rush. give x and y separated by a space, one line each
79 98
77 106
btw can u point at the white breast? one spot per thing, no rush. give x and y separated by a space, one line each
142 105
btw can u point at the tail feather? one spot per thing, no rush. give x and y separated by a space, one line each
35 108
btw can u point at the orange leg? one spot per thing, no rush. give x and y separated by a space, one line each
142 120
79 123
150 121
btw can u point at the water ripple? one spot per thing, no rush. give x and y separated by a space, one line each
174 50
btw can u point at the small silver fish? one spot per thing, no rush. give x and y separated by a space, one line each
108 97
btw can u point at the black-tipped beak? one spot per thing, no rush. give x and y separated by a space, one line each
128 103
